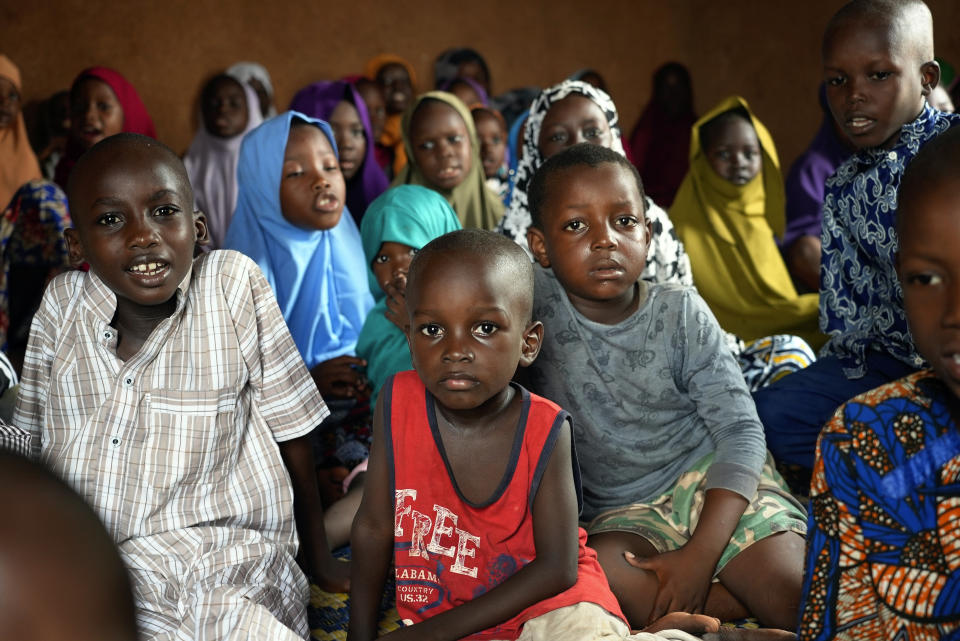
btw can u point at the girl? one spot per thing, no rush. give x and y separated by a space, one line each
461 62
469 91
18 164
441 143
340 104
396 226
492 132
256 76
727 212
229 109
398 81
289 219
102 103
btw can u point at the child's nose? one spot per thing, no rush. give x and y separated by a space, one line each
602 237
141 233
457 348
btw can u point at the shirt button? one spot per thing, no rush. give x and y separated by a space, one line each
115 441
128 381
108 335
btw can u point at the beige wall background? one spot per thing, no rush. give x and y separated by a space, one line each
767 51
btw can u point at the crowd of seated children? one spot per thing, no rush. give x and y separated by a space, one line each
199 385
443 154
728 212
193 404
878 70
342 107
229 110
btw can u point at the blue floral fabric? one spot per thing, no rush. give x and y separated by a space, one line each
861 303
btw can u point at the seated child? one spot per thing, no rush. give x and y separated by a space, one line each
472 490
372 95
102 103
340 104
882 557
168 392
881 108
398 82
675 471
62 575
18 163
398 224
727 211
228 110
492 133
255 75
805 187
444 155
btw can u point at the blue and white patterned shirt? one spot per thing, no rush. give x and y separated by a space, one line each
861 302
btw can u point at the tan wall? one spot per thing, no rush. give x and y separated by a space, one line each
766 51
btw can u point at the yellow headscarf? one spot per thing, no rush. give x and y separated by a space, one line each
392 135
18 163
476 206
728 231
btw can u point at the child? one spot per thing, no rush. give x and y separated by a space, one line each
18 164
470 490
372 95
461 62
398 224
492 132
444 153
727 212
398 83
882 559
102 103
228 110
169 394
255 75
674 465
467 90
62 574
340 104
881 108
290 221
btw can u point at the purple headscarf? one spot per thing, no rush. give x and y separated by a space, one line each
318 101
484 99
806 182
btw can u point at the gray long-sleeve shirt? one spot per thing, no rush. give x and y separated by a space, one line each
650 396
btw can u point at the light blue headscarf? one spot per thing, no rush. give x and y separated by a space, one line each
411 215
317 276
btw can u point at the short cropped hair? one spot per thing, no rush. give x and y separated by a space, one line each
498 252
938 159
909 23
119 142
583 154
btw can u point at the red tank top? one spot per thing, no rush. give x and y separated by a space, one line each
447 550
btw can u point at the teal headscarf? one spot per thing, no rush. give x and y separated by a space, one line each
411 215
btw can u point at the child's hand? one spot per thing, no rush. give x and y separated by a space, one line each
396 304
684 580
340 377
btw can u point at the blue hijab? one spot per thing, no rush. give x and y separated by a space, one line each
411 215
319 277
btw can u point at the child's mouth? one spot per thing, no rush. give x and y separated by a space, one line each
149 271
859 124
448 172
326 203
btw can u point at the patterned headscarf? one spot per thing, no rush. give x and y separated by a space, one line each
666 259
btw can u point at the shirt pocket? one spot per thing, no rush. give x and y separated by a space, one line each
192 437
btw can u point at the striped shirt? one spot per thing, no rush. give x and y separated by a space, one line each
183 434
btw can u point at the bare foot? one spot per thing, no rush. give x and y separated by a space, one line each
696 624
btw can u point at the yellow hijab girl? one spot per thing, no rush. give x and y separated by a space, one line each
727 212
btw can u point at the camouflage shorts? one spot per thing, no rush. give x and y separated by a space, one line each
668 521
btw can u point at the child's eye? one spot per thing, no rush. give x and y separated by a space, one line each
454 140
102 106
925 279
485 328
332 167
881 75
432 330
836 81
380 259
558 136
428 145
574 225
358 132
108 219
593 132
722 154
293 174
627 221
166 210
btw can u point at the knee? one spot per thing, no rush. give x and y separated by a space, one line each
635 589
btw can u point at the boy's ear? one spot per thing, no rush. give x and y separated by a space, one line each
74 248
538 246
930 76
532 341
200 224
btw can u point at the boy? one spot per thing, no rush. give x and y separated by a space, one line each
878 70
883 556
469 489
674 466
61 574
170 394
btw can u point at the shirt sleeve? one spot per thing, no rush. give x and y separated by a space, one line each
712 378
285 394
37 364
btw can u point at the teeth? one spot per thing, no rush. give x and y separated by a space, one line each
146 268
